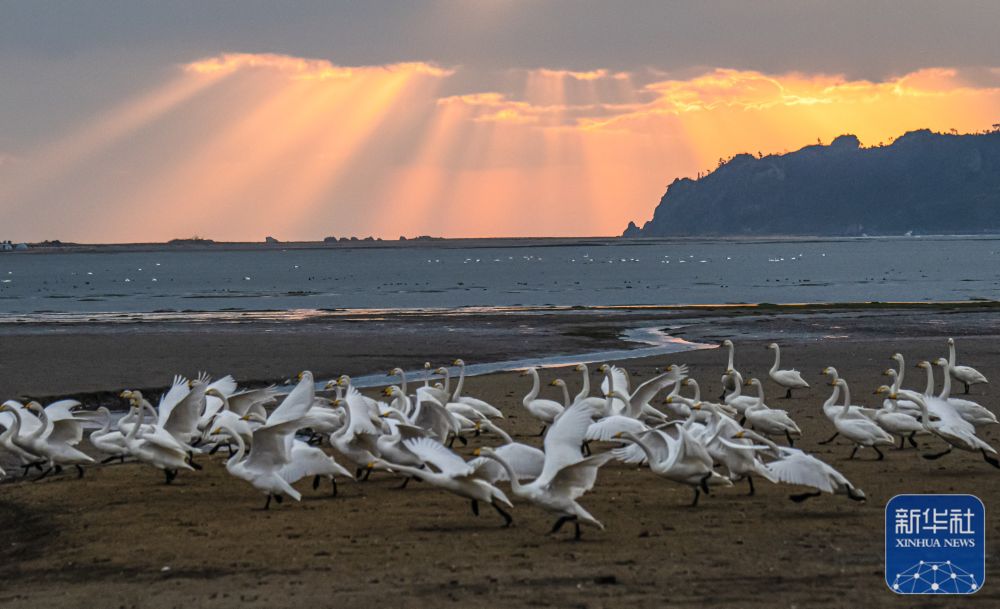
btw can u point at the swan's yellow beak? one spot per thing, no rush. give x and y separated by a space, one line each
457 362
216 431
477 452
387 392
370 465
618 434
739 435
668 400
696 406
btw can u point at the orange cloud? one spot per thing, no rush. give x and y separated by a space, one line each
239 146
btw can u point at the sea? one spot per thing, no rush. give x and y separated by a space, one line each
171 283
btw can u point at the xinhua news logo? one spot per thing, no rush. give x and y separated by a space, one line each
935 544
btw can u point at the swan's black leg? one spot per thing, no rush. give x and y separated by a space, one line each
170 475
121 458
991 460
191 462
854 452
279 499
902 443
750 484
576 525
333 483
406 481
831 438
585 449
357 473
880 455
451 441
788 394
803 496
267 504
79 472
475 507
697 494
109 460
367 474
462 440
913 442
507 520
791 442
934 456
542 433
44 473
559 524
966 387
704 482
215 449
722 395
315 482
743 420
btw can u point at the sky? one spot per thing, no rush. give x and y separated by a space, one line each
136 121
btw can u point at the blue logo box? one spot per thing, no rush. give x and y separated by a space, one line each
935 544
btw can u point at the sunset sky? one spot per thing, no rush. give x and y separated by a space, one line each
145 121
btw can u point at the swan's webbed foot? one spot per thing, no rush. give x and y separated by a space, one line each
279 498
991 460
169 474
507 520
933 456
831 438
803 496
697 495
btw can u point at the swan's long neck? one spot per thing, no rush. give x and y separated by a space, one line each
737 385
241 449
946 387
929 391
459 384
628 435
896 382
760 393
140 417
515 484
565 391
16 426
585 388
922 403
107 422
951 353
402 380
830 401
902 371
777 359
629 409
535 386
447 381
732 350
498 431
697 390
847 399
43 428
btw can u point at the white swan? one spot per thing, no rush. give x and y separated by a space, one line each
52 440
153 445
970 411
26 458
544 410
831 410
736 399
860 430
269 454
789 379
566 475
673 454
109 441
482 406
895 422
585 382
966 374
770 421
793 466
740 463
727 381
450 472
951 428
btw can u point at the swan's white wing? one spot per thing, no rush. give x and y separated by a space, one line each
802 469
659 442
62 409
433 393
630 454
69 431
526 461
605 429
240 403
183 417
621 381
483 407
645 392
564 439
160 437
297 403
434 418
271 448
226 385
443 459
575 480
310 461
360 420
171 398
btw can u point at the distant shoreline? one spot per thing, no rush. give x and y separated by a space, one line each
464 242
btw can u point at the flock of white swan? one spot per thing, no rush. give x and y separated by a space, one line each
275 442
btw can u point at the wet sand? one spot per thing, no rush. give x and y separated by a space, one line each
121 538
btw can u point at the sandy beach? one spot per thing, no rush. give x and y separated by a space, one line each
121 538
